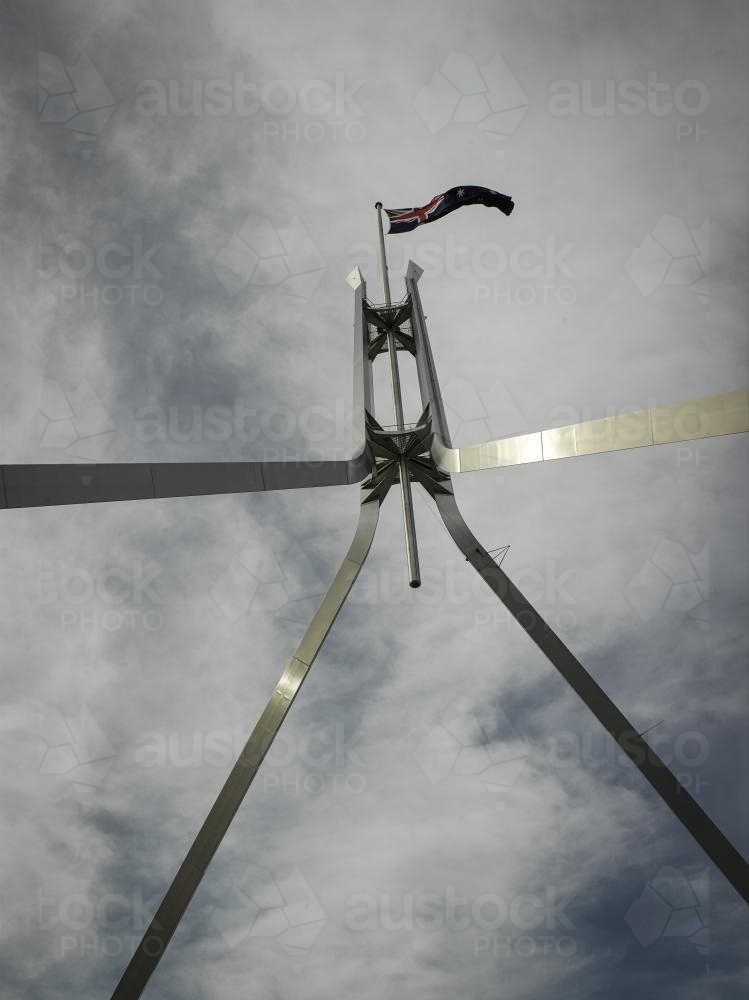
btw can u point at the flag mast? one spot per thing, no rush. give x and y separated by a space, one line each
409 523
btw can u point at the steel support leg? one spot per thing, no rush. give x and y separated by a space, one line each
717 847
407 504
188 878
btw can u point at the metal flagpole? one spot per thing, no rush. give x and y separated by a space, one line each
409 523
383 260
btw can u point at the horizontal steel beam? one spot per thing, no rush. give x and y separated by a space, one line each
692 420
54 485
51 485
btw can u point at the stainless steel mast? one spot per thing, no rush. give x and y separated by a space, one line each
409 524
421 452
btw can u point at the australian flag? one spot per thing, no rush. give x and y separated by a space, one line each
403 220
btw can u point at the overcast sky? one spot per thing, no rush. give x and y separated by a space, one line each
385 102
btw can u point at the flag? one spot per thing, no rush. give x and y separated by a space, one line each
403 220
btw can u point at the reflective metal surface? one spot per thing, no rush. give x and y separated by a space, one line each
56 484
431 398
407 504
423 453
717 847
383 256
180 892
724 414
363 395
692 420
409 526
52 485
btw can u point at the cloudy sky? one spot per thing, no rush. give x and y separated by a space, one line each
167 129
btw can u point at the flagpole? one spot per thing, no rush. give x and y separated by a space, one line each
383 258
409 522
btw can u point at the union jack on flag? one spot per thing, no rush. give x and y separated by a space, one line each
403 220
400 216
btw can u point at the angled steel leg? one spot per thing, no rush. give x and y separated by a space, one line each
717 847
192 869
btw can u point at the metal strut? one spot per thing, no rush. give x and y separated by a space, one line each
416 453
720 415
159 933
409 523
717 847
